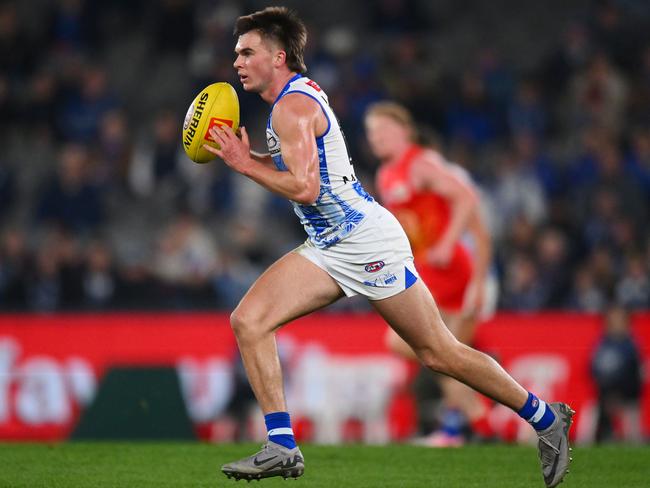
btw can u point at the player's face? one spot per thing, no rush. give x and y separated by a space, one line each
385 136
254 63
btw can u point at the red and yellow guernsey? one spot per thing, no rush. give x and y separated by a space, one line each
425 216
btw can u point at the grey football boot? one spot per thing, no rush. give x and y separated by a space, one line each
272 460
553 445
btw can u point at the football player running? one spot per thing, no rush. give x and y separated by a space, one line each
354 246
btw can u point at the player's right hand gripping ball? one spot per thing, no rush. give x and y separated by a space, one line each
217 104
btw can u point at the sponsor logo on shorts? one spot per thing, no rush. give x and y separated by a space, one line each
381 281
374 266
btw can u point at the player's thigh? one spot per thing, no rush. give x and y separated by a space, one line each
413 314
291 287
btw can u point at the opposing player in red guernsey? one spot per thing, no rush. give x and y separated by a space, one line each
437 204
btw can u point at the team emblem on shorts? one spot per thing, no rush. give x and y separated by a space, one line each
374 266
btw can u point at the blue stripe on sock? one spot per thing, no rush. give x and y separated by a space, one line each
278 420
546 420
530 408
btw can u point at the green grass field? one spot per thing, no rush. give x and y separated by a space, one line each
177 465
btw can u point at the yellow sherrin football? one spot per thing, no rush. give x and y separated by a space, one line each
217 104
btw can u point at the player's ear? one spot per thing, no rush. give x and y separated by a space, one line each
279 58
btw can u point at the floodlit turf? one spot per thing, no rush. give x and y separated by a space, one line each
177 465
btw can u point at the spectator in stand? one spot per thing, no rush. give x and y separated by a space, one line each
587 295
616 369
15 265
553 264
72 26
531 156
44 292
569 57
598 96
156 163
516 192
603 265
498 81
633 289
70 254
611 195
523 289
8 108
470 117
186 262
527 112
17 54
639 100
99 279
637 162
615 34
7 188
71 200
86 106
521 237
40 104
114 151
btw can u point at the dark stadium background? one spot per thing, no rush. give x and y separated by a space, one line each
546 104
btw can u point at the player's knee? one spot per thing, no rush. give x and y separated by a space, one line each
433 360
243 324
441 359
393 342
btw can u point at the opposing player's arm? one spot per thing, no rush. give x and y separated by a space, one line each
431 173
480 234
296 120
482 245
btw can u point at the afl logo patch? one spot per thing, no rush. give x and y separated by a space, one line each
374 266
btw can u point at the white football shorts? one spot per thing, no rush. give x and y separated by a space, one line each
374 261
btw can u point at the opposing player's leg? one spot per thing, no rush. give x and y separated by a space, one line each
414 316
292 287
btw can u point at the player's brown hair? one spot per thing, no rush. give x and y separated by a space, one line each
399 113
282 26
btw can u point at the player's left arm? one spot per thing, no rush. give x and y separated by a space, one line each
430 172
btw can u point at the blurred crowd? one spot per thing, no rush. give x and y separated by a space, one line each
548 108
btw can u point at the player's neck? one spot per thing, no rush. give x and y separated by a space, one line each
275 87
399 150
